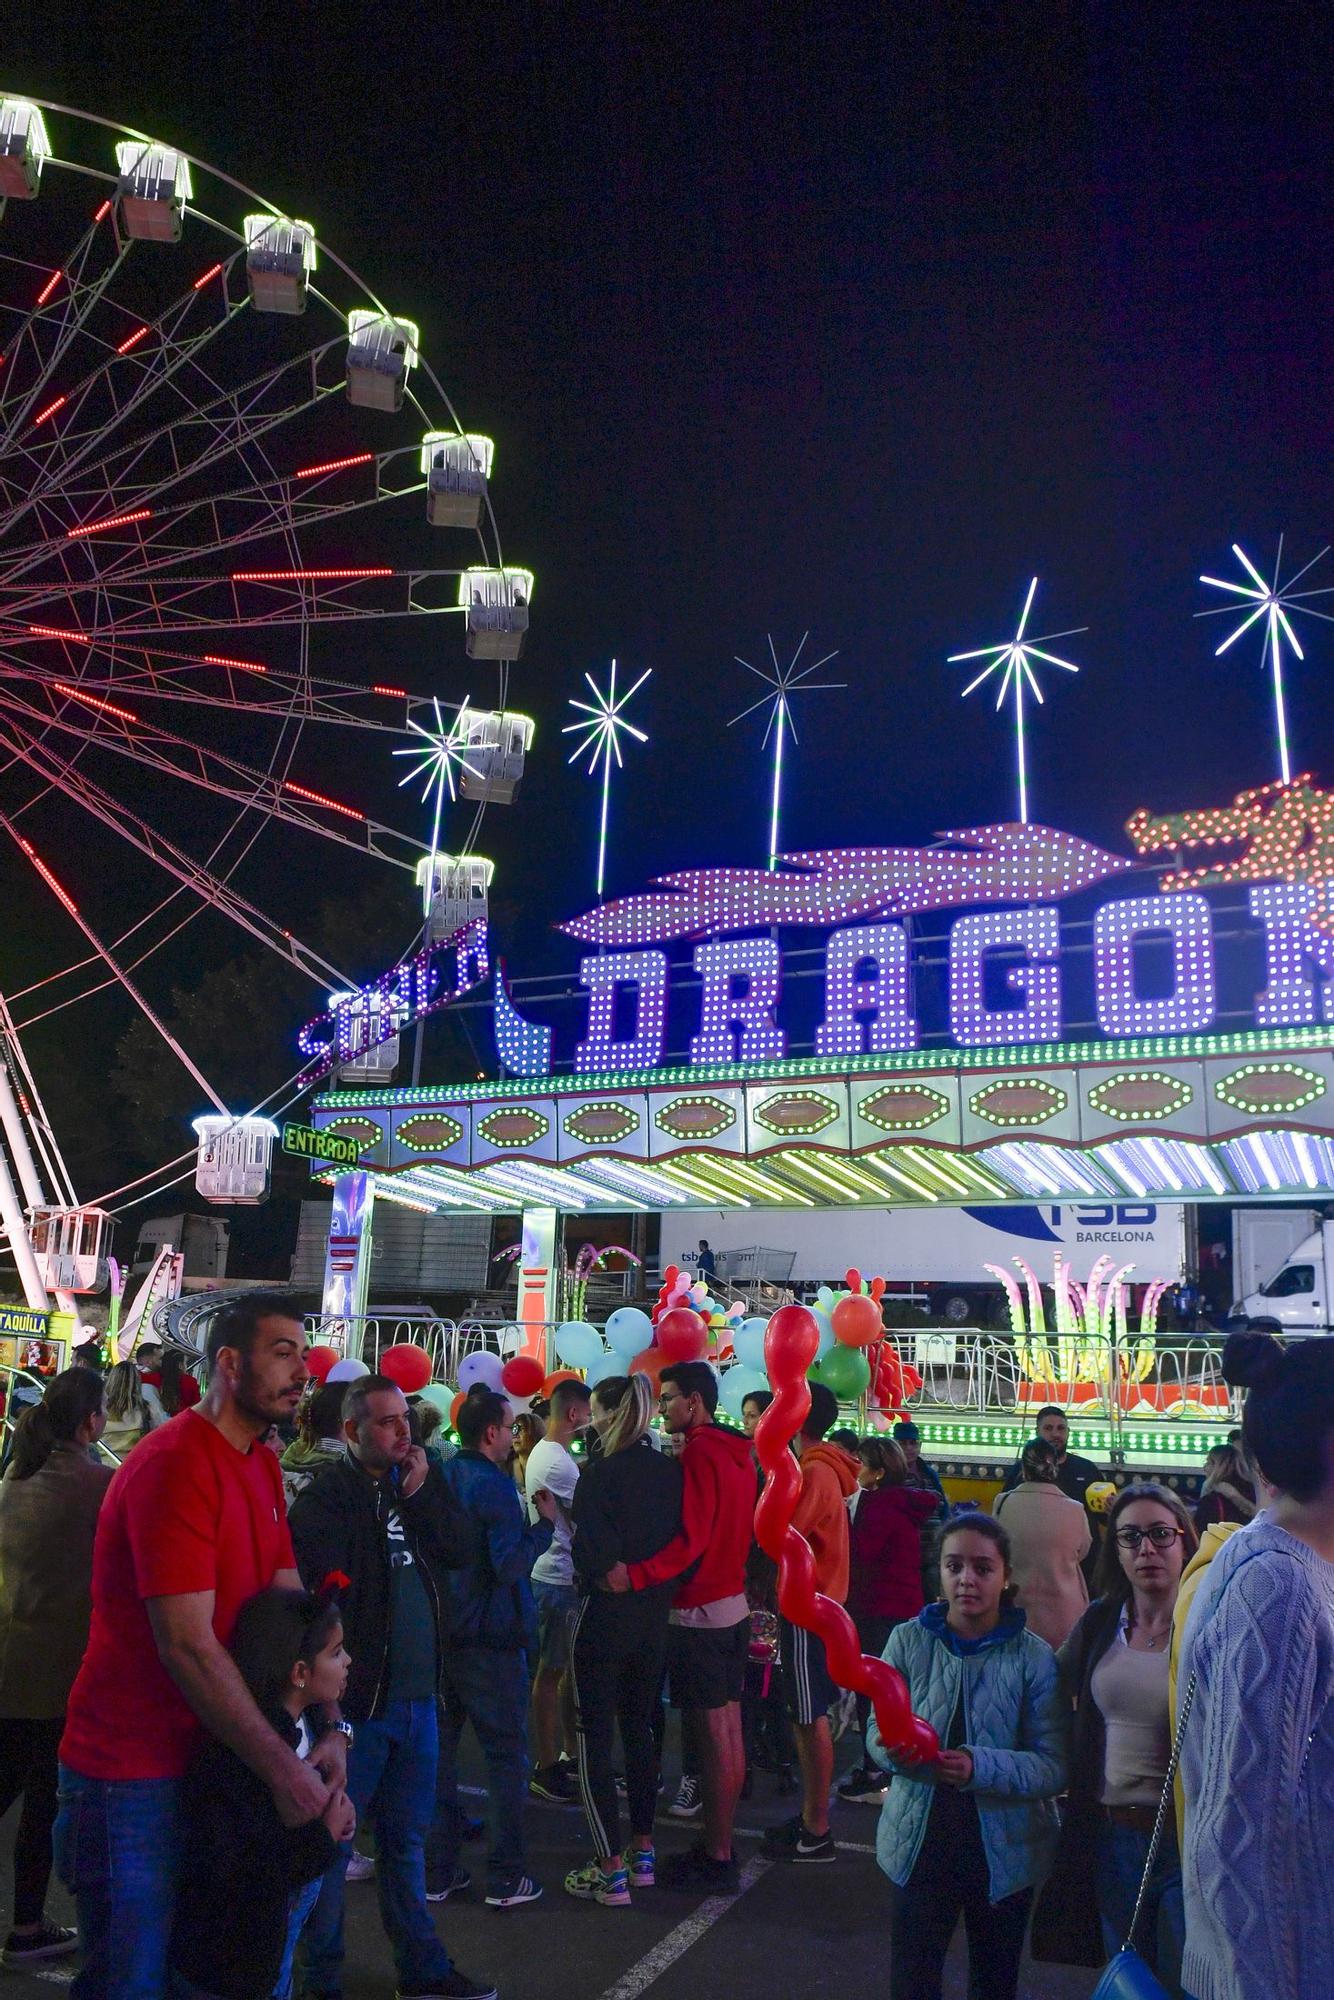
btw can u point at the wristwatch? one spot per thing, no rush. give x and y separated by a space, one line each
344 1729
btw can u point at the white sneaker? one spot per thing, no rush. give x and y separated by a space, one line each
689 1802
360 1867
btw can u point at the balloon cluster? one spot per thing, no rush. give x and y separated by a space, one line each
791 1343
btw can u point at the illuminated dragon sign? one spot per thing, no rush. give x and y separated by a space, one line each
1286 832
826 888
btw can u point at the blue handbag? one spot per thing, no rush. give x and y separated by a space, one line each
1127 1977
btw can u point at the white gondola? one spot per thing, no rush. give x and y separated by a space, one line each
279 258
380 352
363 1015
23 148
234 1163
496 602
456 470
70 1245
459 891
153 189
492 751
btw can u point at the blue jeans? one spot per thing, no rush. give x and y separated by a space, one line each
390 1779
116 1848
1161 1937
488 1688
303 1902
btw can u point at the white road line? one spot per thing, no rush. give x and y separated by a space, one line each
665 1953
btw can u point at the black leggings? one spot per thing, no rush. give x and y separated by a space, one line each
951 1877
28 1771
620 1643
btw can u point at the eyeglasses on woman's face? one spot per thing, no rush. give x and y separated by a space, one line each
1160 1534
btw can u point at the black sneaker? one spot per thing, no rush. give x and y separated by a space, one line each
815 1847
460 1879
525 1890
455 1985
785 1835
689 1800
699 1874
552 1782
864 1788
28 1947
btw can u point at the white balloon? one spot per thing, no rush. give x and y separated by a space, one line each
482 1368
347 1371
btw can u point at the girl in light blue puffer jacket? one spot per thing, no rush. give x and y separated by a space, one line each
971 1833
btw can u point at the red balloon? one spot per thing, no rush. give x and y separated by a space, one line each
557 1375
407 1365
877 1288
320 1360
455 1407
857 1320
853 1280
670 1276
523 1375
650 1361
791 1341
681 1335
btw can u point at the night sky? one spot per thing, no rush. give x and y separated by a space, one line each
850 323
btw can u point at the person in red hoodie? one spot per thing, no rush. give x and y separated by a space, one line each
828 1476
709 1634
885 1581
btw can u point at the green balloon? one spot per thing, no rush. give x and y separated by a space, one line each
846 1371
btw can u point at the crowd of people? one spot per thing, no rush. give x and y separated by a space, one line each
215 1668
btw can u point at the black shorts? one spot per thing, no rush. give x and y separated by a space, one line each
706 1665
807 1689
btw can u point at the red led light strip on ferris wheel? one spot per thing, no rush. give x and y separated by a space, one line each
95 701
103 212
319 799
335 465
48 877
112 521
133 340
56 632
49 411
200 283
304 575
395 694
243 666
49 287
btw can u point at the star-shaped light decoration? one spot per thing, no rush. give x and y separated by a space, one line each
1272 602
1012 660
783 681
439 754
599 735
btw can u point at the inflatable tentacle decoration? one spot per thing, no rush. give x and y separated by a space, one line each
790 1345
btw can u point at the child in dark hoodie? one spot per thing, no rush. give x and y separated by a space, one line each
249 1881
973 1831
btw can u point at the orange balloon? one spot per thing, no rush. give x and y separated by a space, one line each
560 1375
650 1361
857 1320
455 1407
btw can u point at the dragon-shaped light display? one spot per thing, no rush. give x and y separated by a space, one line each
790 1344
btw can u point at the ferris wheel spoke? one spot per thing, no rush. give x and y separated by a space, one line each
226 777
215 603
219 895
45 334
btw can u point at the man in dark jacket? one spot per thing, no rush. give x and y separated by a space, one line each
493 1637
385 1519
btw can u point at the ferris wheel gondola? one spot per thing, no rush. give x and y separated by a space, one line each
216 449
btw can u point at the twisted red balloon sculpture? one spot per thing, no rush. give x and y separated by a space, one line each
790 1344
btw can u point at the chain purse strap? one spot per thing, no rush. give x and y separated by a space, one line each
1164 1806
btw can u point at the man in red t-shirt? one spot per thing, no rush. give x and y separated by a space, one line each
193 1524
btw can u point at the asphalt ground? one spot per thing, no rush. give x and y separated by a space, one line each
794 1930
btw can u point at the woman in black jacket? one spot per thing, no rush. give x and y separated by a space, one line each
627 1506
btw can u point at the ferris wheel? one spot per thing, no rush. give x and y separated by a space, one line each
230 483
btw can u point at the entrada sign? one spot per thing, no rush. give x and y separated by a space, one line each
308 1144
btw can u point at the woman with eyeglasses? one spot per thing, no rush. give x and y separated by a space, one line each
1114 1669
